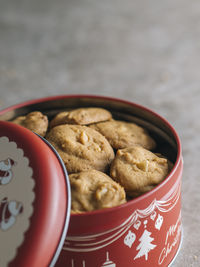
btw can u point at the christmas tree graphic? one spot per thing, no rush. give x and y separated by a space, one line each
145 245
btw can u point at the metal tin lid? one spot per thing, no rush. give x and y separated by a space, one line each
35 199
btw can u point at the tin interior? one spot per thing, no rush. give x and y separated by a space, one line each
158 128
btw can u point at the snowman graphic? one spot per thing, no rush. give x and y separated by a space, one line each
9 210
6 171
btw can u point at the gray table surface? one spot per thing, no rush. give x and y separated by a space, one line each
143 51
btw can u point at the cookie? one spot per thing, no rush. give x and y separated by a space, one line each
122 134
92 190
34 121
81 116
81 147
138 170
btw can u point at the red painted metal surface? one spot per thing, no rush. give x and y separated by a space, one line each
50 206
145 231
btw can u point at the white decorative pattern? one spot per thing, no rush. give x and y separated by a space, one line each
15 202
98 241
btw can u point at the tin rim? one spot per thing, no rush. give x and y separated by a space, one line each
168 181
67 217
14 134
128 103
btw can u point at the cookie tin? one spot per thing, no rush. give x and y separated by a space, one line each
145 231
34 199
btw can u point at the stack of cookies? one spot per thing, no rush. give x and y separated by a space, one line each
108 161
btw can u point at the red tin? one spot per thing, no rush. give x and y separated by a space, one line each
34 194
146 231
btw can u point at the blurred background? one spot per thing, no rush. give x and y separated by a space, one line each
143 51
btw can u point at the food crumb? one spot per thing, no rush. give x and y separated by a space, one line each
195 257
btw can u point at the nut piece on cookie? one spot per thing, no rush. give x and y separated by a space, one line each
92 190
81 148
34 121
122 134
138 170
81 116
